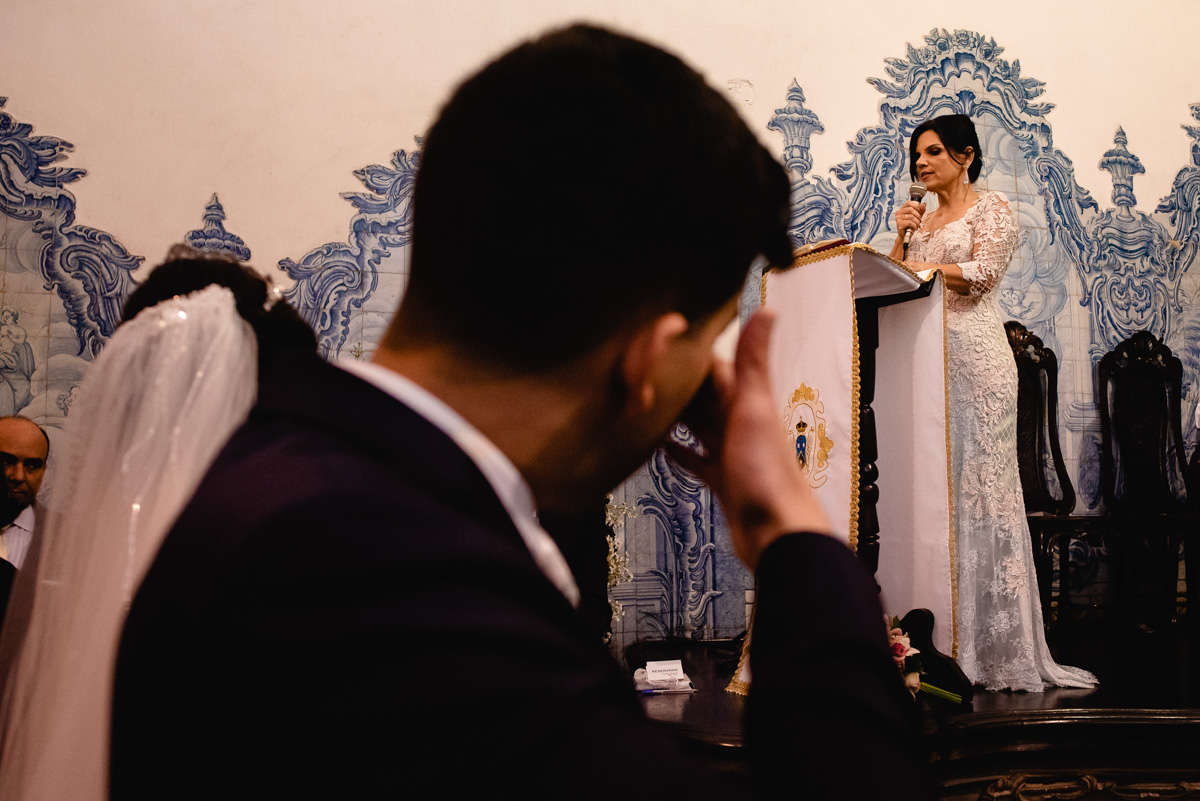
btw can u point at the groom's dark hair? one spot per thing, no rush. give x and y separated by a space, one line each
580 183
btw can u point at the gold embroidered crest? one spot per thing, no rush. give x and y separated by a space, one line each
804 420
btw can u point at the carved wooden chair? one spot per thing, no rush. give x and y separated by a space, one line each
1045 483
1142 472
1044 479
1193 479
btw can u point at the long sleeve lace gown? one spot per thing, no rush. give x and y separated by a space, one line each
1001 642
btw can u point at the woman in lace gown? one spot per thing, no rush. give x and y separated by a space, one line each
970 238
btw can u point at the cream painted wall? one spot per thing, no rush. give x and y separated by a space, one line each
274 103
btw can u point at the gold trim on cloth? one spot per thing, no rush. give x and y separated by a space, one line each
953 529
736 685
800 261
822 255
855 392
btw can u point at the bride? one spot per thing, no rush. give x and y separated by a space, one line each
970 238
162 398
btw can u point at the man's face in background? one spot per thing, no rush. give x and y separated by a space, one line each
23 457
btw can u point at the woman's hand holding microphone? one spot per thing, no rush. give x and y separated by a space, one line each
908 220
908 217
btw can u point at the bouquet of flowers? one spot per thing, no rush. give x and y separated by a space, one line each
908 660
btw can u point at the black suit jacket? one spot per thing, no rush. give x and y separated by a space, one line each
8 575
345 610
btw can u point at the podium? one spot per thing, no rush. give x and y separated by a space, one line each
858 362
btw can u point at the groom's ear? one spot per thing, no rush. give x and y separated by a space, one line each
644 358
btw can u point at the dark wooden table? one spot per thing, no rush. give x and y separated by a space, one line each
1138 736
709 720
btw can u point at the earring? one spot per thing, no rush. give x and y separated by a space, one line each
966 178
274 294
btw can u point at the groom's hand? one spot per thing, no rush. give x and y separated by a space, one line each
749 463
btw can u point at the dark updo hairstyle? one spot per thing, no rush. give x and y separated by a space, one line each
957 133
186 270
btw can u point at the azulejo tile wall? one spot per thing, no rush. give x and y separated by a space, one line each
1083 277
348 290
1126 270
212 236
61 283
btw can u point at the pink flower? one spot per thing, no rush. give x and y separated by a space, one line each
901 647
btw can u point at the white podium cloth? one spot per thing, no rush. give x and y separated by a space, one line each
815 367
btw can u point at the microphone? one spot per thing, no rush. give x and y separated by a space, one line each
915 192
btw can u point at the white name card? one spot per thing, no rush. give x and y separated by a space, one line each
666 671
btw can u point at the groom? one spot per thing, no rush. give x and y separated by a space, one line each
361 602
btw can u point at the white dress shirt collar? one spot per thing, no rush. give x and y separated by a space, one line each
18 535
506 481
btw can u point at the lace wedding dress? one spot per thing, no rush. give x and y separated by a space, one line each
1001 642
